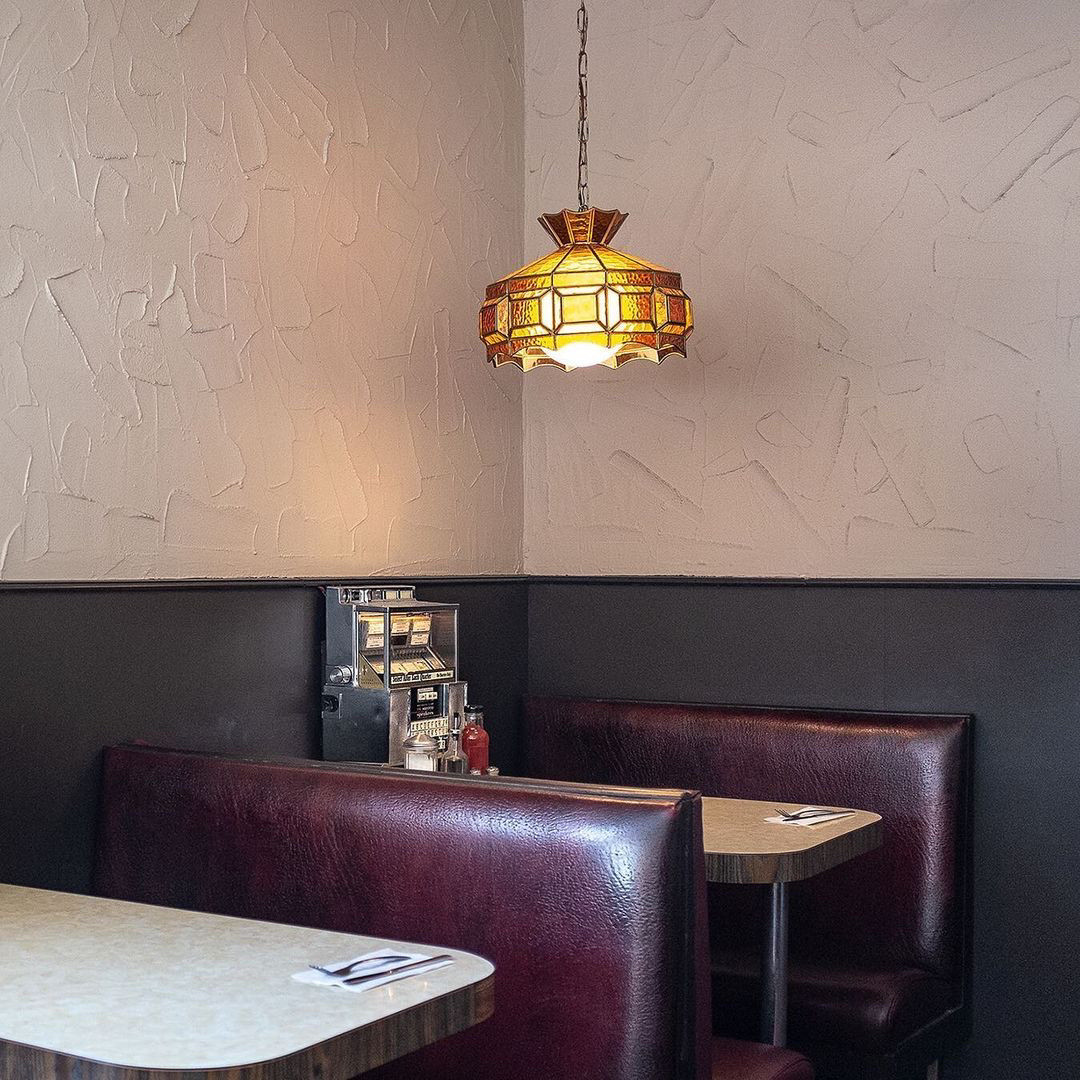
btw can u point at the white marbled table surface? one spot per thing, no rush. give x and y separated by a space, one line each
158 988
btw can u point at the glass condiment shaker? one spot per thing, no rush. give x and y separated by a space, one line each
421 752
452 760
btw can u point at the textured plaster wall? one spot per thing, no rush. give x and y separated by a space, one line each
241 243
876 207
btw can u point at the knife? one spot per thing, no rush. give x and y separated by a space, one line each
356 980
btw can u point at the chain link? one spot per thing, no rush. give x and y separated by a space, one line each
583 110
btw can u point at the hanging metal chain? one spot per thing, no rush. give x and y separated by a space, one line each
583 110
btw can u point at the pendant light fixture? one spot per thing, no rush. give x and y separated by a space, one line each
586 303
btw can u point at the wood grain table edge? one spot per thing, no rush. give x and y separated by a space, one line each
339 1058
745 868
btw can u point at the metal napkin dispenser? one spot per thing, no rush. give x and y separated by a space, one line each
390 672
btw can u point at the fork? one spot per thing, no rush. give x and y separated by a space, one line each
356 980
348 969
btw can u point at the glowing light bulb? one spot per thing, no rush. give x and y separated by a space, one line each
581 354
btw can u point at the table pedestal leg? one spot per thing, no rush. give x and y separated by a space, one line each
774 968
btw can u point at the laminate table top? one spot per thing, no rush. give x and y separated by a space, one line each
742 848
134 992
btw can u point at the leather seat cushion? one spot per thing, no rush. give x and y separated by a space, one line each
864 1008
734 1059
902 904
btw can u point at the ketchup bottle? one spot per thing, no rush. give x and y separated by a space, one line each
474 739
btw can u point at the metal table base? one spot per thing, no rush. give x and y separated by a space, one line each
774 968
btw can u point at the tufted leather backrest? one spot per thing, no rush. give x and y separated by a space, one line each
590 902
902 905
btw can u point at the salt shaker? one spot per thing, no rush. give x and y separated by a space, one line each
421 752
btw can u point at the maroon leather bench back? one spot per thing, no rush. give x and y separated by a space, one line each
590 903
902 905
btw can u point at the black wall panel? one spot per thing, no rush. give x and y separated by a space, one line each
1006 653
232 668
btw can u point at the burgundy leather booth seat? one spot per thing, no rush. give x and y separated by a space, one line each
591 903
880 945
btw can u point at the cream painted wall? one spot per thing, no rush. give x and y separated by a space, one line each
240 253
876 206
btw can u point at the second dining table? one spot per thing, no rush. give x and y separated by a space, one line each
742 847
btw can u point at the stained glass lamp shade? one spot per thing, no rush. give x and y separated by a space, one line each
585 303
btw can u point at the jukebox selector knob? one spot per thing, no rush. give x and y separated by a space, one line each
339 676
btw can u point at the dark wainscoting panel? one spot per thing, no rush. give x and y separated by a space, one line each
1008 653
216 668
225 667
235 667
